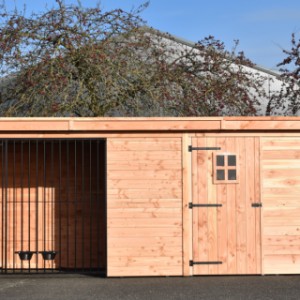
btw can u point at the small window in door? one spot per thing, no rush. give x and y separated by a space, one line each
225 168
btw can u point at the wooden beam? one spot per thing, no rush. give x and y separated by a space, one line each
186 199
149 125
109 124
261 124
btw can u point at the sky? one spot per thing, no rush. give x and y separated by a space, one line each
263 27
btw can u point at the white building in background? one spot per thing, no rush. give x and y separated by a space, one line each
272 83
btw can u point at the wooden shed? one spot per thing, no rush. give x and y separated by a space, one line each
150 196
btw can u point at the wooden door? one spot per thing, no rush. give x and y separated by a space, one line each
226 221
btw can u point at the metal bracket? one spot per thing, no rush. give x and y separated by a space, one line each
203 148
192 263
191 205
259 204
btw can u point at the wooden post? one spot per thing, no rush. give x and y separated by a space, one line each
186 198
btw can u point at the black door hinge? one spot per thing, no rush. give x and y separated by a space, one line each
203 148
259 204
191 205
204 263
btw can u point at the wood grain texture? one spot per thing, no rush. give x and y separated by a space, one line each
231 233
200 216
281 211
144 207
106 125
187 228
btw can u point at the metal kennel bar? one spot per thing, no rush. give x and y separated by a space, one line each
53 205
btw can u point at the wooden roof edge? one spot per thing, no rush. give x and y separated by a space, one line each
262 118
112 119
110 124
279 123
165 124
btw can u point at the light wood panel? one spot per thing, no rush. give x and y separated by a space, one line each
281 263
281 210
229 234
144 206
230 210
148 193
157 144
82 125
187 226
116 202
200 217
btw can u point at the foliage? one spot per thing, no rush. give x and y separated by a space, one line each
288 98
77 61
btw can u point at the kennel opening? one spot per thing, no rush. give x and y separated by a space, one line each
53 205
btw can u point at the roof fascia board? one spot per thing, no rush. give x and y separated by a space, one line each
166 125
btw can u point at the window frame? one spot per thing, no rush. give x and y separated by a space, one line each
226 168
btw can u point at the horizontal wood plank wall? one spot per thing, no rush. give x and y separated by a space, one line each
144 206
281 205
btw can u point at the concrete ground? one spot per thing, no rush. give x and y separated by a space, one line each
86 287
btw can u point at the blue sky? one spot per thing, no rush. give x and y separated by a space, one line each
263 27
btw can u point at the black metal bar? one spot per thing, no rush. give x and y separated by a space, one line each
51 201
2 207
98 204
203 148
22 199
68 198
192 263
82 203
192 205
6 200
14 204
29 200
259 204
75 204
44 200
104 186
37 201
59 201
91 202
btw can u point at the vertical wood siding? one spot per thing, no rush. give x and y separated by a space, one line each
229 234
144 206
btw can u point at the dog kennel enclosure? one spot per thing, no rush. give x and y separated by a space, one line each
53 205
150 196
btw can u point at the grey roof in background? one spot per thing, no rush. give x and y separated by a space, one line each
188 43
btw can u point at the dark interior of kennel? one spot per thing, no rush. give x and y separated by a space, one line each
53 205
